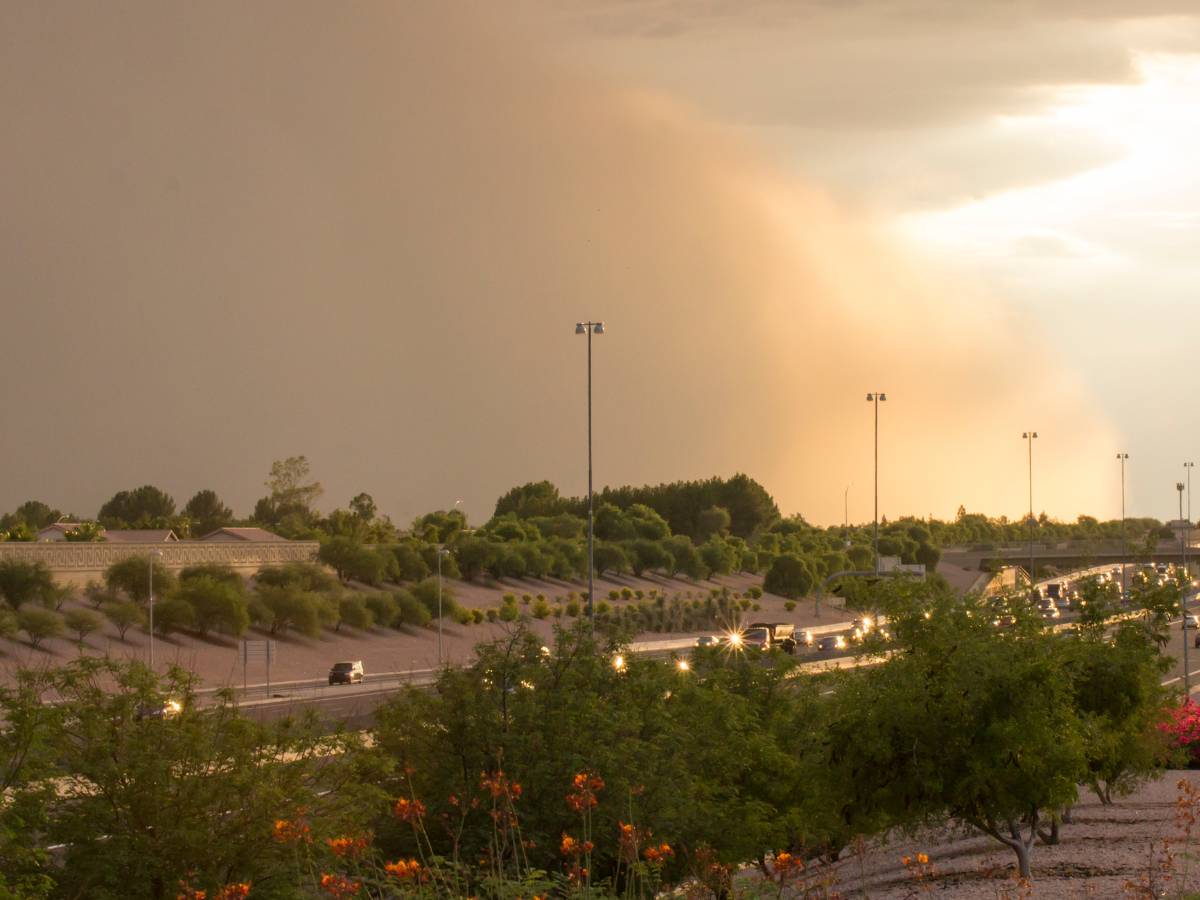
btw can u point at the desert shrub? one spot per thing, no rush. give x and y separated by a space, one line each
173 614
789 605
492 614
39 624
384 608
541 609
82 622
573 608
410 610
427 592
509 612
354 612
123 614
216 601
477 616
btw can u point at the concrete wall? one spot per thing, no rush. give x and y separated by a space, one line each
78 563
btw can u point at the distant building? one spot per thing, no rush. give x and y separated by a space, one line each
242 534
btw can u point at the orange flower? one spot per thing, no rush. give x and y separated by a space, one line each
292 831
339 886
585 788
498 786
409 810
233 891
906 860
189 893
347 848
404 869
922 858
660 853
568 845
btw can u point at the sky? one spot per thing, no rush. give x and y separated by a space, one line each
363 233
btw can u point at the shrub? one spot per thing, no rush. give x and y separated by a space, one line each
789 605
558 612
8 624
290 608
755 591
383 607
573 608
216 603
509 612
410 566
477 617
21 582
131 576
526 599
123 614
39 624
411 611
757 606
541 609
614 595
354 612
83 622
427 592
492 614
602 608
509 598
172 615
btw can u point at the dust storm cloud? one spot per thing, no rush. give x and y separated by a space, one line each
364 232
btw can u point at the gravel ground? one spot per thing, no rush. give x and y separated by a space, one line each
1113 851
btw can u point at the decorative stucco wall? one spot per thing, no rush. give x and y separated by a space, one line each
78 563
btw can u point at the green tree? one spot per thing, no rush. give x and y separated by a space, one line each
539 498
22 582
291 609
143 507
39 624
712 521
352 560
961 721
172 614
354 613
218 603
410 564
86 533
191 798
609 558
123 614
686 558
82 622
720 557
789 576
131 576
207 513
289 486
34 513
363 506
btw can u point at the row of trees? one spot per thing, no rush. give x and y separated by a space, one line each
562 770
208 599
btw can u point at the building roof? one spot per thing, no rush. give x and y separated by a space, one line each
139 535
242 534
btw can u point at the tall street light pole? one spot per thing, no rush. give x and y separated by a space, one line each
1124 548
590 328
876 398
1187 693
846 505
1029 436
1188 521
154 554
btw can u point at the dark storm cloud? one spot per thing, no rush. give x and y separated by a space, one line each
237 232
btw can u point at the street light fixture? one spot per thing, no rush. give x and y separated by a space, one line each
876 398
442 551
590 328
154 554
1029 436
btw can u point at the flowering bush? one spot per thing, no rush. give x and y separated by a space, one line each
1183 729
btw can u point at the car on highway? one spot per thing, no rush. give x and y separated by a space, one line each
782 635
708 640
167 709
827 643
1193 621
347 672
